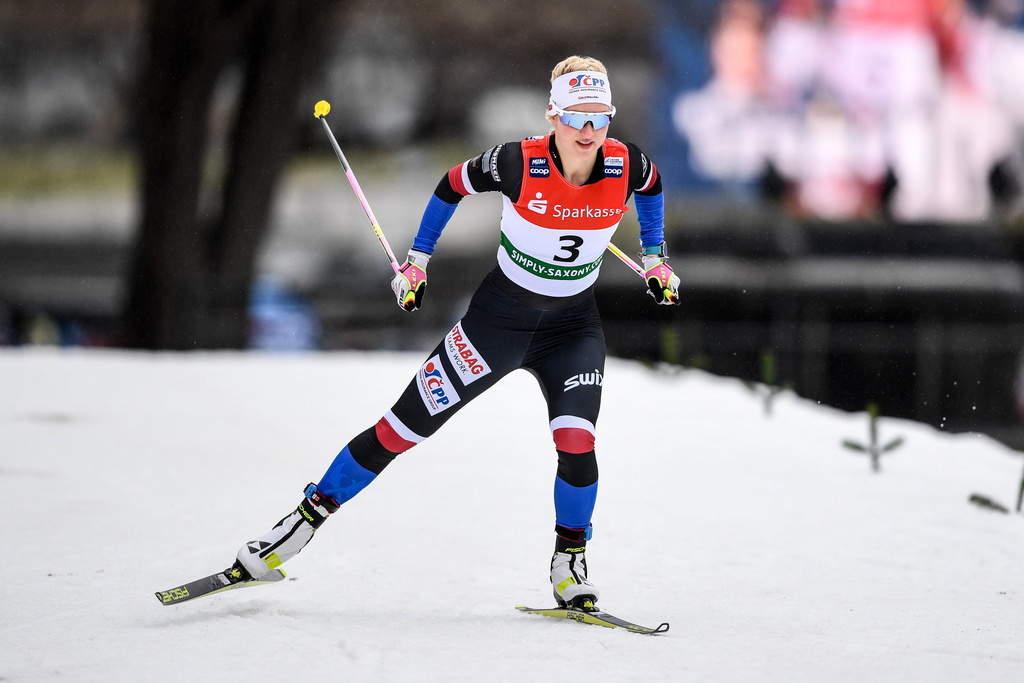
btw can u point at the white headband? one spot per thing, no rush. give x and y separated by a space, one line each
580 87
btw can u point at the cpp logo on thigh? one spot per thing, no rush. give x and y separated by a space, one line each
436 389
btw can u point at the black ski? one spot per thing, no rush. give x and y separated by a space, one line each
226 580
592 616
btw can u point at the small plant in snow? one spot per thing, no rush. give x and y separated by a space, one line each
769 386
990 504
872 447
986 503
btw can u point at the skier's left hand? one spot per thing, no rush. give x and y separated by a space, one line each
662 283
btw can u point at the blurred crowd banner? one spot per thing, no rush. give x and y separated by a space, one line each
846 109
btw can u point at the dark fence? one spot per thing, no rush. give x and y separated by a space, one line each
927 322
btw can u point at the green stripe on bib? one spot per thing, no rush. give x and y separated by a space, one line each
548 271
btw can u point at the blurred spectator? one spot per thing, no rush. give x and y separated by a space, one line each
994 59
883 55
974 155
834 166
764 123
43 330
729 122
989 76
794 50
883 66
834 163
280 320
838 101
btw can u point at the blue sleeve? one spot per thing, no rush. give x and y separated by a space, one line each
650 212
435 217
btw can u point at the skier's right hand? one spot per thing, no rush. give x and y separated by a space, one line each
410 282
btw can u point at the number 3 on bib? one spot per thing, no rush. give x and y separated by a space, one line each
572 248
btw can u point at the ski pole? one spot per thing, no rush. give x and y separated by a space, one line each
322 108
625 259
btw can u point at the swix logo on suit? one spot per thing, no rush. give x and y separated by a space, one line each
584 379
464 357
436 389
554 236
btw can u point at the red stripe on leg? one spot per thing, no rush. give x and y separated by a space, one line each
573 440
390 439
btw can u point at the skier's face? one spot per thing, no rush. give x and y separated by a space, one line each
581 142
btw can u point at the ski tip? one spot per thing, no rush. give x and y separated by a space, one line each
169 597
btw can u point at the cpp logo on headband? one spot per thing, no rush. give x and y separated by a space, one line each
580 87
587 81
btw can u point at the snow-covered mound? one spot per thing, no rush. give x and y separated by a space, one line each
775 553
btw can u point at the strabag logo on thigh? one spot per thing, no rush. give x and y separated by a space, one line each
466 360
436 389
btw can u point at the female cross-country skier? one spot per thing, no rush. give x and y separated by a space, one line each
563 196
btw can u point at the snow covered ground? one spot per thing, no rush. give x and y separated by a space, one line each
776 554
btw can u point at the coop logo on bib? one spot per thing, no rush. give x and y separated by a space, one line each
464 357
613 167
436 389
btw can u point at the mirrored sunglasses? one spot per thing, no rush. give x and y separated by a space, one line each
578 119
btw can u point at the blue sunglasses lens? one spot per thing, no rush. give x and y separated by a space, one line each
579 119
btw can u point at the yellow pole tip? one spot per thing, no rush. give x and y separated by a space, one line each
322 108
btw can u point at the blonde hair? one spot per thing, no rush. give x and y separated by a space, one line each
567 66
577 63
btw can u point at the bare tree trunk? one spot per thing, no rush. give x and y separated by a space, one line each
285 48
190 278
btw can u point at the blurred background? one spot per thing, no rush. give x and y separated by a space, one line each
844 180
